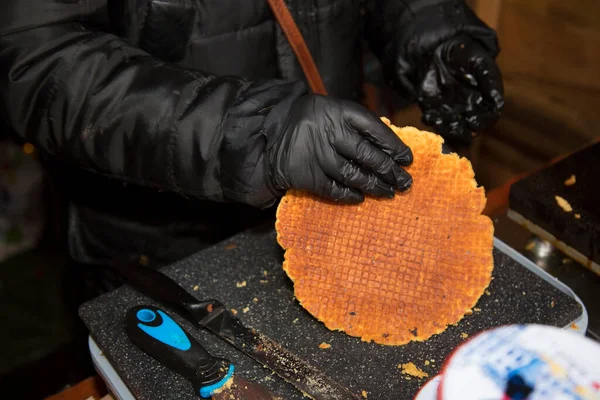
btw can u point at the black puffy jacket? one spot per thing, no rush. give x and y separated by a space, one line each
156 113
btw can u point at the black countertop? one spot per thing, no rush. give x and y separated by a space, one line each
533 197
266 302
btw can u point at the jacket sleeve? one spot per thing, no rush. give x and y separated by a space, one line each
403 34
87 98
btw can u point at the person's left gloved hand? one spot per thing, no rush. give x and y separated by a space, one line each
461 91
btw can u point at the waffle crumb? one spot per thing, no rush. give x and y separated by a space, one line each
324 345
226 386
570 181
577 216
564 204
426 362
234 311
412 370
196 288
245 310
364 394
230 246
464 335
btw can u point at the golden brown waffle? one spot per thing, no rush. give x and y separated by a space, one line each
393 270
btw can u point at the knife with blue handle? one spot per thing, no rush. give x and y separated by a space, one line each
214 316
157 334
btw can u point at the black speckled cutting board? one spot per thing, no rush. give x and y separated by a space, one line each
534 198
515 296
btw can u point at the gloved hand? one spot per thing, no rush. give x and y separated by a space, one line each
338 150
461 90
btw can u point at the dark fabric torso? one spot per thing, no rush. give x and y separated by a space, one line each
110 220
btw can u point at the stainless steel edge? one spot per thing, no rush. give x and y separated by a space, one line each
581 322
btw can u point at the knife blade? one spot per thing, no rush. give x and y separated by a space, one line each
212 315
158 335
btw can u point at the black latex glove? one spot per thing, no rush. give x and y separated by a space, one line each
338 150
461 91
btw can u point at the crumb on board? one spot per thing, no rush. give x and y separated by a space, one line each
469 312
477 309
426 362
294 321
324 345
552 304
564 204
195 288
265 272
412 370
464 335
241 284
231 246
255 299
364 394
530 246
566 260
234 311
570 181
487 292
524 293
432 360
264 281
577 216
226 387
245 310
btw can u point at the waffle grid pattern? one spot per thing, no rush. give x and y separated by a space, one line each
392 270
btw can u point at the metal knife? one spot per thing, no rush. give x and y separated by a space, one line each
158 335
214 316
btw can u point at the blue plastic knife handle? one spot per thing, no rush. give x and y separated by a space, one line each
158 335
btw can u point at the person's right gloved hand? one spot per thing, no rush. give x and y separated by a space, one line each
338 150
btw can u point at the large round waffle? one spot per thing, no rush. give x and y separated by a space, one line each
393 270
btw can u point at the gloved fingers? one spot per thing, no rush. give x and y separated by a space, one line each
374 160
354 177
482 120
432 83
457 129
489 81
372 128
449 125
335 191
